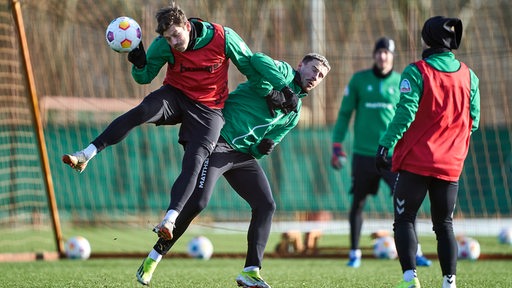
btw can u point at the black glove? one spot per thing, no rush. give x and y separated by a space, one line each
291 100
138 56
266 146
339 157
275 100
381 161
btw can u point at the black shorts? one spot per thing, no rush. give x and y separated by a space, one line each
199 124
366 178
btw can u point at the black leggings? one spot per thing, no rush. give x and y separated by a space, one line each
410 192
248 179
199 131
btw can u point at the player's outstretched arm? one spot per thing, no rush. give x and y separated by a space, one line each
238 52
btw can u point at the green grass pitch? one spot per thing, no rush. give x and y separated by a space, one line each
181 272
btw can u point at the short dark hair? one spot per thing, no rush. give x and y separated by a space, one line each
168 16
315 56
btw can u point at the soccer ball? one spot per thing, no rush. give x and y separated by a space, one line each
505 236
78 248
123 34
468 248
384 248
200 247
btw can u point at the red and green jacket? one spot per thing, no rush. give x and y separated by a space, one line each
200 72
438 110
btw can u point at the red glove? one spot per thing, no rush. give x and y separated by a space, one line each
339 158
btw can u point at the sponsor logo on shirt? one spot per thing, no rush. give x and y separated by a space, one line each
378 105
209 68
405 86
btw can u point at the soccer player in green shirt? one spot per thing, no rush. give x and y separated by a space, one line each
258 113
373 95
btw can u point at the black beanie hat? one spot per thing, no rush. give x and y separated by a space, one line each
437 32
385 43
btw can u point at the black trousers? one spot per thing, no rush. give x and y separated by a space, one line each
199 131
410 191
247 178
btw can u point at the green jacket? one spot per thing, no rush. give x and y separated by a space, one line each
408 104
373 99
159 53
247 116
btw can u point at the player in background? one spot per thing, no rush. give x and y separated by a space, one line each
194 90
258 113
439 108
373 95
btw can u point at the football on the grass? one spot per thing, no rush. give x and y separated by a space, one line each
384 248
78 248
505 236
468 248
200 247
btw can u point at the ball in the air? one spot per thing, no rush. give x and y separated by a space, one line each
123 34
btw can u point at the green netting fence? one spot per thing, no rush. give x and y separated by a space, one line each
136 175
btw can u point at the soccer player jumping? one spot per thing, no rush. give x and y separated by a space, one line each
194 90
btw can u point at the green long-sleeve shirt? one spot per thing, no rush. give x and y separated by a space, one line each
247 116
159 52
373 99
408 104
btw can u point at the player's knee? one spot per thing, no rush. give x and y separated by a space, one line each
194 159
443 229
141 111
265 207
402 224
200 206
356 210
272 207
